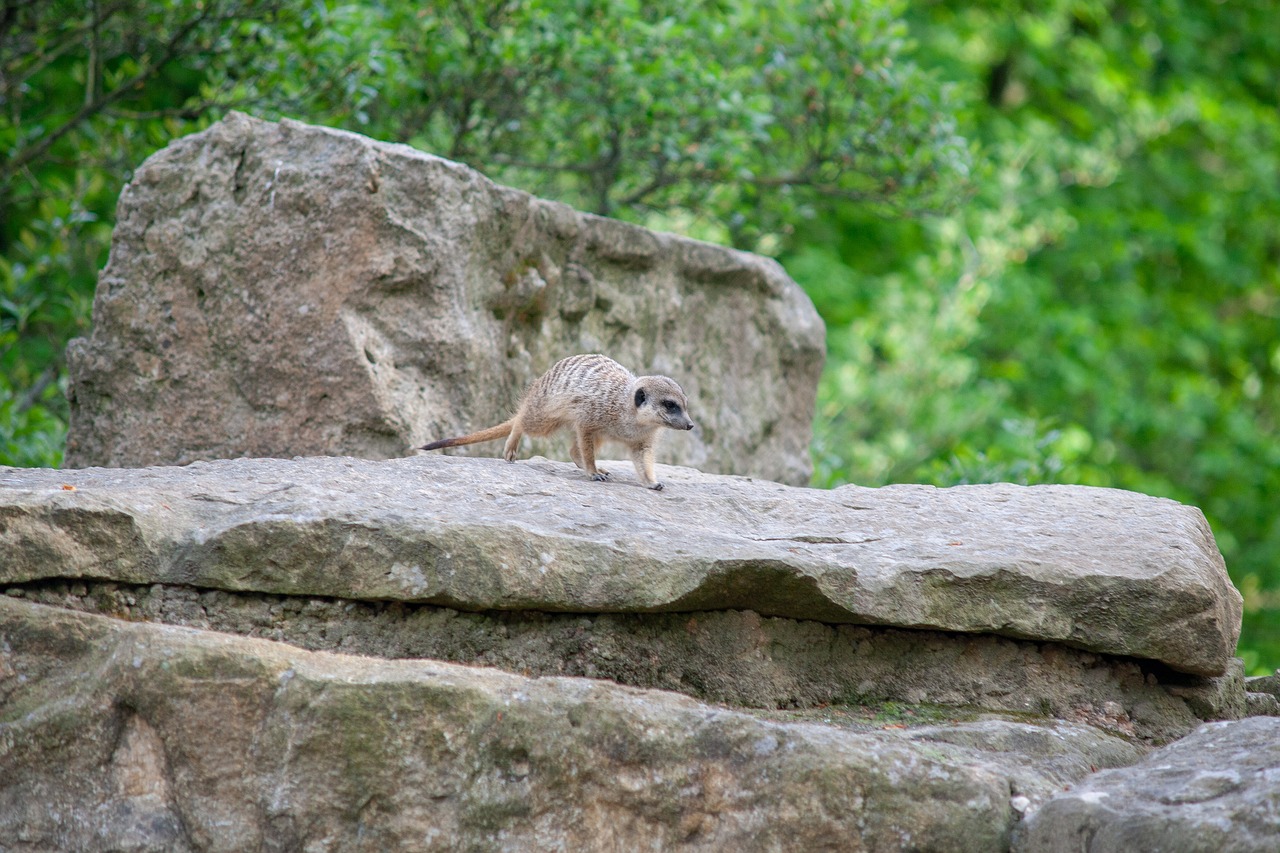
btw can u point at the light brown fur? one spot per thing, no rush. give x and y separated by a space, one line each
597 399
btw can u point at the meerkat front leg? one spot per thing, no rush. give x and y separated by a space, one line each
586 442
642 458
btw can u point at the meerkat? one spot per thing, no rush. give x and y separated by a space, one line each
597 399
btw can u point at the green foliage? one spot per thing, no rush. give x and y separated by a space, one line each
730 116
88 90
734 114
30 436
1105 309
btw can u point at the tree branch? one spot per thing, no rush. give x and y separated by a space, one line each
660 180
28 399
33 152
45 58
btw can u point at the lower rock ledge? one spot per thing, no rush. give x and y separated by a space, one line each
120 735
1215 789
736 657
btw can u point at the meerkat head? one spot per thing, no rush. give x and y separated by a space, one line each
660 402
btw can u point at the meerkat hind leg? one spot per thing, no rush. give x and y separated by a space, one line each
513 443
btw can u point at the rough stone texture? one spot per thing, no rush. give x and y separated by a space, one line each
1039 760
143 737
737 656
1261 704
1264 684
283 289
1263 695
1102 570
1215 791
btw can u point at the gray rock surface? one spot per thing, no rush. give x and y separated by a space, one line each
1269 684
1263 695
283 289
1101 570
1215 791
125 736
734 656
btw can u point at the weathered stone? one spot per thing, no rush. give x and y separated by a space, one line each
1221 698
734 656
116 735
1264 684
1097 569
1059 755
1215 791
1262 695
282 289
1257 704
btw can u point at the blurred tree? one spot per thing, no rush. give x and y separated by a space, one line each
88 88
730 116
1105 309
733 113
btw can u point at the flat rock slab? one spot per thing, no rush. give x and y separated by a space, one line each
735 657
1215 791
125 736
1103 570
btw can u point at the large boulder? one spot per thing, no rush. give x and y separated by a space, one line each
126 736
1215 791
278 289
913 668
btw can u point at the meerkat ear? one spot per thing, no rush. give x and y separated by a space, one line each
640 397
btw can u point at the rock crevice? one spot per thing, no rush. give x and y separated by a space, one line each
1105 571
1078 603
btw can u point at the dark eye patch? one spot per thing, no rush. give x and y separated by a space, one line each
670 406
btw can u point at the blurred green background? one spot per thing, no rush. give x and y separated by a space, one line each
1045 237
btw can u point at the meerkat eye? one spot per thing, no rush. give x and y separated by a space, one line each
670 406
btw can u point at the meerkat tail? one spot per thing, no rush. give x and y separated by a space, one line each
502 430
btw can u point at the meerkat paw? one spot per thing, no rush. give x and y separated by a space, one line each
600 476
657 487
